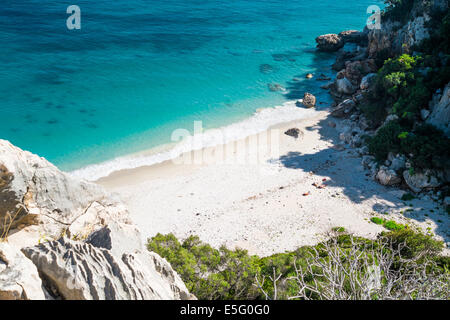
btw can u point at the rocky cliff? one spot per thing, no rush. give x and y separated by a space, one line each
62 238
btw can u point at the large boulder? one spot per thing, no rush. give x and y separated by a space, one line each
353 36
105 258
440 113
345 86
422 180
75 270
19 278
396 38
367 81
343 109
388 177
33 192
329 42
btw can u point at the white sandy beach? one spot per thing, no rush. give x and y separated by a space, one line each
260 206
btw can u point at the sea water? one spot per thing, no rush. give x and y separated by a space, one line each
138 70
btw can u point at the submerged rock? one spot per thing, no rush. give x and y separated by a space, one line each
275 87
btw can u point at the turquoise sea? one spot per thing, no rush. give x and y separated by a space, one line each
139 69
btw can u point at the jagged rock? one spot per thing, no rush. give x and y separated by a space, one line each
440 112
388 177
447 201
397 38
294 132
80 271
329 42
343 109
33 192
421 180
354 36
19 278
309 100
367 81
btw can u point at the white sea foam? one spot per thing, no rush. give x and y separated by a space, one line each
262 120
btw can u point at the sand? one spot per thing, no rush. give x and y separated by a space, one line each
254 198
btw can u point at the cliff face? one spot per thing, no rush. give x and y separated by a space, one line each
396 37
69 239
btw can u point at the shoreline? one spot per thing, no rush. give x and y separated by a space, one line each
261 207
262 120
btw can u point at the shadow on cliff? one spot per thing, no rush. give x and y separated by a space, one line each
343 169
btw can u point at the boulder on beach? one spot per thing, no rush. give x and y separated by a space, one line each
309 100
329 42
293 132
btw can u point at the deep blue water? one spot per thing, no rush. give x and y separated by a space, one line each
139 69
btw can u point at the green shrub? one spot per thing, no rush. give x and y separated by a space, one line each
415 242
386 140
377 220
428 147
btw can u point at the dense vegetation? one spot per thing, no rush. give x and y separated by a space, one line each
404 86
211 273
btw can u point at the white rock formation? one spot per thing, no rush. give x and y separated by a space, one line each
35 192
19 279
41 204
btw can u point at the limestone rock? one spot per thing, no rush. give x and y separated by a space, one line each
367 81
388 177
79 271
421 180
35 192
294 132
309 100
19 278
329 42
343 109
354 36
440 114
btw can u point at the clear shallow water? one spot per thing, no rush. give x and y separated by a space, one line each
137 70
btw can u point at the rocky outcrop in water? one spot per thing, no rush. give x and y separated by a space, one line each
329 42
82 271
19 278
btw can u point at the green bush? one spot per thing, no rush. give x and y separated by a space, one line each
428 147
230 274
